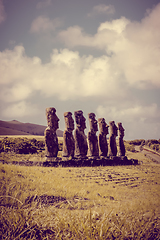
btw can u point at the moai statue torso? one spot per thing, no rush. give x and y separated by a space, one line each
51 140
81 146
102 140
112 139
68 140
120 140
92 138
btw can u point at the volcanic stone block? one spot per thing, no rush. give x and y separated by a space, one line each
68 139
102 139
93 151
120 140
112 139
51 140
81 146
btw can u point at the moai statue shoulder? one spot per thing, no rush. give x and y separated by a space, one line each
112 138
81 146
68 139
93 151
102 139
51 140
120 139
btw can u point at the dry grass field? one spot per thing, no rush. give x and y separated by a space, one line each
111 202
24 136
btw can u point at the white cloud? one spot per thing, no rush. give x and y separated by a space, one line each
130 112
44 24
108 36
75 36
116 25
69 76
139 120
102 9
20 109
133 46
17 92
44 4
2 12
131 59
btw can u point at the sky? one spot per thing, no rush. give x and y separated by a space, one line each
100 56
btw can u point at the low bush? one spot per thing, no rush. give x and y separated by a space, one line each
155 147
152 141
153 144
136 142
24 145
129 147
21 145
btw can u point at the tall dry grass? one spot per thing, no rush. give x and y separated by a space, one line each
112 202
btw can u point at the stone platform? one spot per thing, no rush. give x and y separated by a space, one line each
112 161
56 162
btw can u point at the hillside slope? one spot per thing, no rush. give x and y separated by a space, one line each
15 127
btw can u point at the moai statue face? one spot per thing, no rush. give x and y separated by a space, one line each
113 128
69 121
80 119
121 130
103 127
93 122
52 118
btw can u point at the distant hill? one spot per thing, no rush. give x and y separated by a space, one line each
15 127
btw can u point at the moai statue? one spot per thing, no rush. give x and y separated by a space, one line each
112 138
102 140
92 138
68 140
81 146
51 140
120 140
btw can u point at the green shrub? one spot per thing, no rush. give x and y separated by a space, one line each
152 141
24 145
153 144
155 147
21 145
25 148
129 147
136 142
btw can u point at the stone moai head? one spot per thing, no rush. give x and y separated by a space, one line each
93 122
80 119
113 129
120 129
103 126
52 118
69 121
